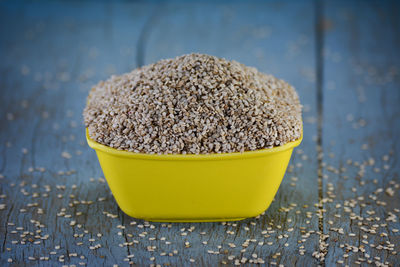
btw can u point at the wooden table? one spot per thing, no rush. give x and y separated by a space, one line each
339 203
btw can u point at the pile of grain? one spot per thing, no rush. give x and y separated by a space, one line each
193 104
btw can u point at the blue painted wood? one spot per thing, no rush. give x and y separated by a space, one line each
271 37
51 55
361 96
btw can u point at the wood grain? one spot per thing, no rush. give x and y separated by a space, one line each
268 45
361 112
346 74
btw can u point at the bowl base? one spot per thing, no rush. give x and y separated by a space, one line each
194 220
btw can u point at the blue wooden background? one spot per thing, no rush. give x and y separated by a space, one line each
339 203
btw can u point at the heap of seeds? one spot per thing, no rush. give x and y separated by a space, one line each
193 104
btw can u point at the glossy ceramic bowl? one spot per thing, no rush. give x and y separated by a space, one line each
194 188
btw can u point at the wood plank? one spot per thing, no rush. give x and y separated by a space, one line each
361 113
51 55
277 38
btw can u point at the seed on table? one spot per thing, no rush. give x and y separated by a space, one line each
66 155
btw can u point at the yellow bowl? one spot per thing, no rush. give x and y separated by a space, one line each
194 188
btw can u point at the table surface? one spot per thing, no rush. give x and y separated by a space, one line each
339 203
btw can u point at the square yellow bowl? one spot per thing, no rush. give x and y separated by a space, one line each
194 188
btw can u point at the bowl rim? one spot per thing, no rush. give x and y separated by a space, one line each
215 156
